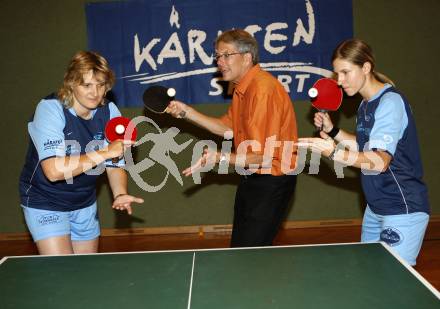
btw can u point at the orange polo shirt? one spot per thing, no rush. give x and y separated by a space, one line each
261 110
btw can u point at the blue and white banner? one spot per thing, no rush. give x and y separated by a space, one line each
171 43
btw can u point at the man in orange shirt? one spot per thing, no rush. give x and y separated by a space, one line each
262 120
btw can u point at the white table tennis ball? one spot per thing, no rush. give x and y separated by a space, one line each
171 92
120 129
313 92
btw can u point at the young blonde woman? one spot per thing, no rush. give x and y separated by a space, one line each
387 152
67 152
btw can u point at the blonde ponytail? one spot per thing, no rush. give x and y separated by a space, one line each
383 78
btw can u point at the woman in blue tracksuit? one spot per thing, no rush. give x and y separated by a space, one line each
387 152
67 152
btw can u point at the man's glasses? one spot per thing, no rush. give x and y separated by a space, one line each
227 55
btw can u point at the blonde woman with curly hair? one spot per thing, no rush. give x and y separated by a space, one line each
67 152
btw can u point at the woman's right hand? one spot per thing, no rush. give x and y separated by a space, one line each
117 148
323 121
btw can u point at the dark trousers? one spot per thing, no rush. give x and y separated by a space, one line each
261 204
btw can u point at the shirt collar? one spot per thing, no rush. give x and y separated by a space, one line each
73 112
247 78
379 93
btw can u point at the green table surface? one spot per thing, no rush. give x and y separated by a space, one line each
323 276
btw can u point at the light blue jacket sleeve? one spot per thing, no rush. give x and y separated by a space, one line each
46 129
114 111
390 123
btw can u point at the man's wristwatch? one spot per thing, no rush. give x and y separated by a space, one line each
182 114
332 154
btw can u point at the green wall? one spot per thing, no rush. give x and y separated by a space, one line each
39 37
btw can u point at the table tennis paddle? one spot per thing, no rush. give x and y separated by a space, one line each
157 98
326 95
116 129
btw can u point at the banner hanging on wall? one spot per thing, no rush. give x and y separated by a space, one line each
171 43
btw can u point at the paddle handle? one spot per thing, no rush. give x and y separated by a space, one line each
322 125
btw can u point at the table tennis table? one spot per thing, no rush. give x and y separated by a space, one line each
338 276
